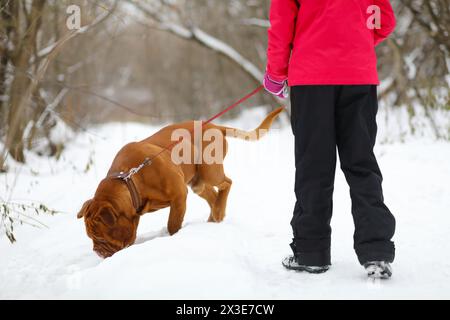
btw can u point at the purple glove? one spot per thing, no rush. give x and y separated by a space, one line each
277 88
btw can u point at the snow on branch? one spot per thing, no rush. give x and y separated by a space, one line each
227 51
168 22
256 22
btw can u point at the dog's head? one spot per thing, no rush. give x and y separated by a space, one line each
110 229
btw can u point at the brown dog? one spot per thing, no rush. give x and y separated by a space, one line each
112 216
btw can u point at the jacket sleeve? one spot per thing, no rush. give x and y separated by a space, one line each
387 21
283 15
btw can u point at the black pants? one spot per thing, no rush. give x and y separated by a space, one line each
324 117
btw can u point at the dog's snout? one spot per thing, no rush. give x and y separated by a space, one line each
101 252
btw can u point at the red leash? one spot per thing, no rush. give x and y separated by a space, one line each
234 105
218 115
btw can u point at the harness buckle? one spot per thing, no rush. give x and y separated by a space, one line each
132 172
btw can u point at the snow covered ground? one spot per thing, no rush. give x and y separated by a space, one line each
239 258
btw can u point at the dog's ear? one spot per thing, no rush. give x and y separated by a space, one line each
83 209
107 216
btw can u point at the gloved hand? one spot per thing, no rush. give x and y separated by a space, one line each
277 88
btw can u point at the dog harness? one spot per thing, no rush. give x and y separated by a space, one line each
127 177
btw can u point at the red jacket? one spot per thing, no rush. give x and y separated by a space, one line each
325 42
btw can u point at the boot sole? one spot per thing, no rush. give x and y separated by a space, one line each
379 273
306 269
383 276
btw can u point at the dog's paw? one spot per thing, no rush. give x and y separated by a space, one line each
211 219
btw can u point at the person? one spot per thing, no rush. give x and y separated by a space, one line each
324 50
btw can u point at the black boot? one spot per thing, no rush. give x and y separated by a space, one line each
291 263
378 269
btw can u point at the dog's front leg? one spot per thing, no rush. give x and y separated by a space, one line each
176 215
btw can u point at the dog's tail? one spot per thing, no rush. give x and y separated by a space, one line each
256 134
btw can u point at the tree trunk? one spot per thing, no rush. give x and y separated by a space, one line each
5 33
21 57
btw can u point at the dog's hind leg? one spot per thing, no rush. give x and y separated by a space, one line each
218 213
206 192
214 176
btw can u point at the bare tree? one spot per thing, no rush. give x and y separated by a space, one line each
23 46
27 60
417 59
